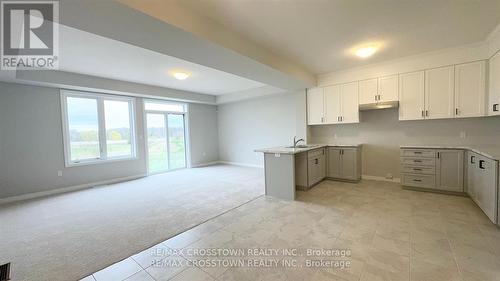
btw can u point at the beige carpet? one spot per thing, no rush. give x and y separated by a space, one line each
69 236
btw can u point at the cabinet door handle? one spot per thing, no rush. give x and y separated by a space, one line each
438 155
481 166
423 114
472 158
427 113
316 161
495 107
456 111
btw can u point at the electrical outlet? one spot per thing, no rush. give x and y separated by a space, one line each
463 135
59 173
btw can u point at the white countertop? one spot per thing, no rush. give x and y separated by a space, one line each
490 151
289 150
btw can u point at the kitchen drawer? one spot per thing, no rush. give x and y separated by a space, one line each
424 153
424 181
418 170
412 161
315 153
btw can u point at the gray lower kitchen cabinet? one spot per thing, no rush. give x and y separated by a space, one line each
482 182
437 169
450 170
316 170
344 163
471 163
310 168
334 163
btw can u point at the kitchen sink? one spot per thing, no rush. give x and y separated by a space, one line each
301 146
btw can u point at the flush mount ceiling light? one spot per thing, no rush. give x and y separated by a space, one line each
366 50
180 75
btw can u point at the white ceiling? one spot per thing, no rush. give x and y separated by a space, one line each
319 33
86 53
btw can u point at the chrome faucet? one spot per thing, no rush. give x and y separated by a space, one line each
295 141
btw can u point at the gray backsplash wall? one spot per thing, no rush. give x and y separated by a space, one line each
382 134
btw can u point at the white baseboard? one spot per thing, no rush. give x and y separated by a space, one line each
376 178
205 164
66 189
241 164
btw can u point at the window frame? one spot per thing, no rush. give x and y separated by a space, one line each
102 137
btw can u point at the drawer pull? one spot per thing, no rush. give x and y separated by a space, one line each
417 180
417 152
417 161
417 169
472 158
481 162
495 107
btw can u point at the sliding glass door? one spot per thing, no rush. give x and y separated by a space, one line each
166 140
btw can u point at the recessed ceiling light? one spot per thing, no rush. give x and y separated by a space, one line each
181 75
366 51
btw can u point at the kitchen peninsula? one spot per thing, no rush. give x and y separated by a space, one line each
288 168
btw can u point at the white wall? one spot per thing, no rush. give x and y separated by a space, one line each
31 143
265 122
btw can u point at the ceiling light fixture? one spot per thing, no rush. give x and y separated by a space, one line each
366 49
181 75
366 52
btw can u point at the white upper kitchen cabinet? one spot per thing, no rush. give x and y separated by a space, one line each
470 94
349 103
333 104
315 106
439 93
388 89
368 91
411 96
494 89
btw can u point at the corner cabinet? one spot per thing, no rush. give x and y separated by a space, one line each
494 89
335 104
482 183
470 93
344 163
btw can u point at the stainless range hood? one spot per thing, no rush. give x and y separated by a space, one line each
379 105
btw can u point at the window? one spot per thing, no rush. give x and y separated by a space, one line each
164 106
97 127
